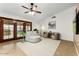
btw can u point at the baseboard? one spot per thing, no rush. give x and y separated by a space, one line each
67 40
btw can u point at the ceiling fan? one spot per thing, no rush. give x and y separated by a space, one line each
32 9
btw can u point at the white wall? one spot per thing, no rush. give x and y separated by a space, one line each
64 23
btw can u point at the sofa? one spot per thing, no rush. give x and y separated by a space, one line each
52 35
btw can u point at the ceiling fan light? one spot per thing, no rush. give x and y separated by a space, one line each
31 13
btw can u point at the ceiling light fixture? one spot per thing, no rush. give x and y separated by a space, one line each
32 13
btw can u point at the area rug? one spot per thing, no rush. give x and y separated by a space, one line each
46 47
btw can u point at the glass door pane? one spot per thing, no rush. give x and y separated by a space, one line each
19 29
8 28
11 27
6 31
28 27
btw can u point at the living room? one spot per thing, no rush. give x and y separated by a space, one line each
54 25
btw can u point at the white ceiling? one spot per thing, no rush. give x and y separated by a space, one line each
47 9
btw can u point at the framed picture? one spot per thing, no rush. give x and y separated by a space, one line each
52 25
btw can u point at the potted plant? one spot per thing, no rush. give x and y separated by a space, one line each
23 33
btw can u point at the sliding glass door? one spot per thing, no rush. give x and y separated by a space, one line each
13 29
8 30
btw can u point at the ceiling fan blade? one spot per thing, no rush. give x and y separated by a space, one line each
26 12
25 7
37 11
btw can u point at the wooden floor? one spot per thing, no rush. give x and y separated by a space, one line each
10 49
76 41
66 48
